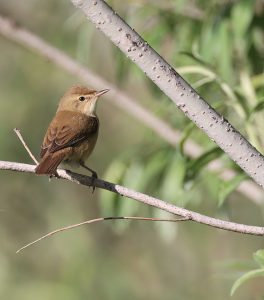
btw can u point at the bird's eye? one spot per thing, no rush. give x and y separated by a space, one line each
82 98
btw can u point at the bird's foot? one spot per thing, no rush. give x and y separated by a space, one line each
55 175
94 176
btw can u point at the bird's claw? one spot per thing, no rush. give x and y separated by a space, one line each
55 175
94 176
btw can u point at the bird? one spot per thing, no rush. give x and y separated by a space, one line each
72 133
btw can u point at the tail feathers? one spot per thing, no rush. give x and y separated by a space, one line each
49 163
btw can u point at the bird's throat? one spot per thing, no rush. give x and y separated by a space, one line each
90 109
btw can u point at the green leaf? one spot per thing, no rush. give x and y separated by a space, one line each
225 68
185 135
227 187
241 16
109 202
195 166
258 107
154 169
167 230
259 257
197 58
245 277
132 178
173 181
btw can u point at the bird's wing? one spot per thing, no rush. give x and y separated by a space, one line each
67 130
49 163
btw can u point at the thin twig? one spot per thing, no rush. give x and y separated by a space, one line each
17 132
143 198
98 220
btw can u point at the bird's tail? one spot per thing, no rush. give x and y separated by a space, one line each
49 163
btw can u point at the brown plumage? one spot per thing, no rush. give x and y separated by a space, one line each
73 132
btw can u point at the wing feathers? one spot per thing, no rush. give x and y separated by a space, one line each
66 131
50 162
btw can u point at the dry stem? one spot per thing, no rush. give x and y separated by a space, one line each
95 221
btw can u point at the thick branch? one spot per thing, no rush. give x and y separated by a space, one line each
123 191
175 87
119 98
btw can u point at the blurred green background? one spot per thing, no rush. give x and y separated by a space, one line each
222 44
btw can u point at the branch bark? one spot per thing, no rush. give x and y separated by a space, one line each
175 87
143 198
10 30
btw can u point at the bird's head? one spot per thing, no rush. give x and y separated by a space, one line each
81 99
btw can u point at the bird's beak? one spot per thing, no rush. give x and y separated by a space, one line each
100 93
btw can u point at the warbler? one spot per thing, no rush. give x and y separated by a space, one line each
72 134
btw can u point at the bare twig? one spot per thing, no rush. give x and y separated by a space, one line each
10 30
17 132
143 198
95 221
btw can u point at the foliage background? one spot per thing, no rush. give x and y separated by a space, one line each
222 43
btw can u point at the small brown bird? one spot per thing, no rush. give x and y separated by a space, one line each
73 132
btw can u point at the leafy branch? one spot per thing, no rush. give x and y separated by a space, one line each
175 87
258 257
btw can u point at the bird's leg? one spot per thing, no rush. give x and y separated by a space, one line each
94 174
